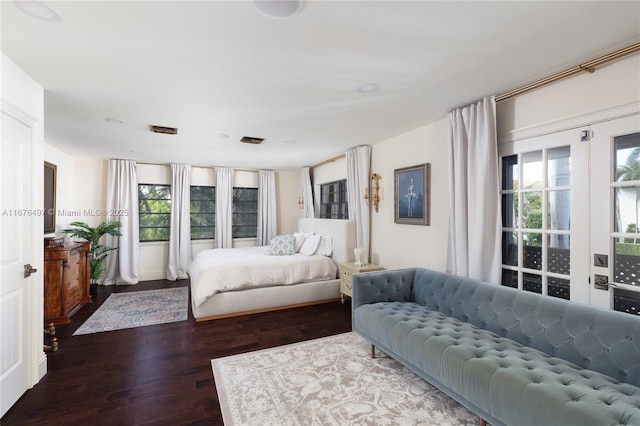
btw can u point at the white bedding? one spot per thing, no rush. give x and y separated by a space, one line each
218 270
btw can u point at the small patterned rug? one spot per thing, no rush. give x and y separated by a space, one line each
137 309
328 381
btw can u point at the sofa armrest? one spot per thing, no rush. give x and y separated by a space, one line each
382 286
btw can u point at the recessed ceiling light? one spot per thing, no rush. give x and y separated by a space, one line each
38 10
368 88
278 8
221 135
291 142
114 120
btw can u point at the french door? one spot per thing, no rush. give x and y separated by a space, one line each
570 214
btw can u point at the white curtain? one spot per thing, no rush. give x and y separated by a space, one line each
307 192
358 177
180 234
267 215
122 196
474 188
224 207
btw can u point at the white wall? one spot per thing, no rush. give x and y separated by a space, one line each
399 246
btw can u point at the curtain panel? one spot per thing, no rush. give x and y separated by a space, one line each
224 207
474 186
180 231
122 196
358 176
267 215
307 192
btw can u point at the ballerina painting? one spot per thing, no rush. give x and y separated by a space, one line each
412 195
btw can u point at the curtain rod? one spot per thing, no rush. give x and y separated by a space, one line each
329 160
587 66
148 163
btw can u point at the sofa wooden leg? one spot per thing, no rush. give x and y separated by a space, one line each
373 351
483 422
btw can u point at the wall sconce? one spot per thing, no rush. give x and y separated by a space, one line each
301 202
376 192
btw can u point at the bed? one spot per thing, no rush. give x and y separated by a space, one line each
208 304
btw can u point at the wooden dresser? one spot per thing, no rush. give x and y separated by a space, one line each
66 281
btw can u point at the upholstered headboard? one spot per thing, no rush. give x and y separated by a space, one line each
342 233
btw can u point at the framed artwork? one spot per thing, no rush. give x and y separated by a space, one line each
412 194
50 172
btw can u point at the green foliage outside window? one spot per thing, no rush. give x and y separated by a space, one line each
245 213
154 203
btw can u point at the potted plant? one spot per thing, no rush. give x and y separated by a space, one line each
98 251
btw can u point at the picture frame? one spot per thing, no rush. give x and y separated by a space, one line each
412 195
50 182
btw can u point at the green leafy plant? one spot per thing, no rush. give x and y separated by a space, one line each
98 251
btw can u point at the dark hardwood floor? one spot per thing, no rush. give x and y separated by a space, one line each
158 374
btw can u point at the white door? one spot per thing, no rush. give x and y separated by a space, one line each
17 219
545 239
615 214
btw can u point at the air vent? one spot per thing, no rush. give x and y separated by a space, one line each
249 139
165 130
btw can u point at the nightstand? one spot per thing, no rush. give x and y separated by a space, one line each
347 270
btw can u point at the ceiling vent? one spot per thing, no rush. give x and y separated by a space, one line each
165 130
249 139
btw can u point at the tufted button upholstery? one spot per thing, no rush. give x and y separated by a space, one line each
518 357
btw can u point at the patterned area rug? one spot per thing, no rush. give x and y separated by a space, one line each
138 308
328 381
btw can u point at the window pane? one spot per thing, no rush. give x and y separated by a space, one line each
532 251
627 261
557 287
558 254
532 283
510 248
559 166
559 210
510 278
532 210
510 172
532 170
626 301
509 210
627 202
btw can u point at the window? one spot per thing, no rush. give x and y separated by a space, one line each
245 213
333 200
154 203
203 212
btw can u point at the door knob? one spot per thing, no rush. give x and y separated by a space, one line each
28 270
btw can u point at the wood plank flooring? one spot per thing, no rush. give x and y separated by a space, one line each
161 374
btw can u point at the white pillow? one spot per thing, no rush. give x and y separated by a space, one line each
325 248
299 238
310 245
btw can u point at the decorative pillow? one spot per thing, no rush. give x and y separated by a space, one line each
325 248
299 238
310 245
281 245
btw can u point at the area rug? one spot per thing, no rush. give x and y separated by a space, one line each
328 381
137 309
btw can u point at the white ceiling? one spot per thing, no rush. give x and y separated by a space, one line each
221 66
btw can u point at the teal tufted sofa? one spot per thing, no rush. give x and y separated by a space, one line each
512 357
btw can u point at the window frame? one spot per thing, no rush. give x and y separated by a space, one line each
192 213
235 226
142 212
